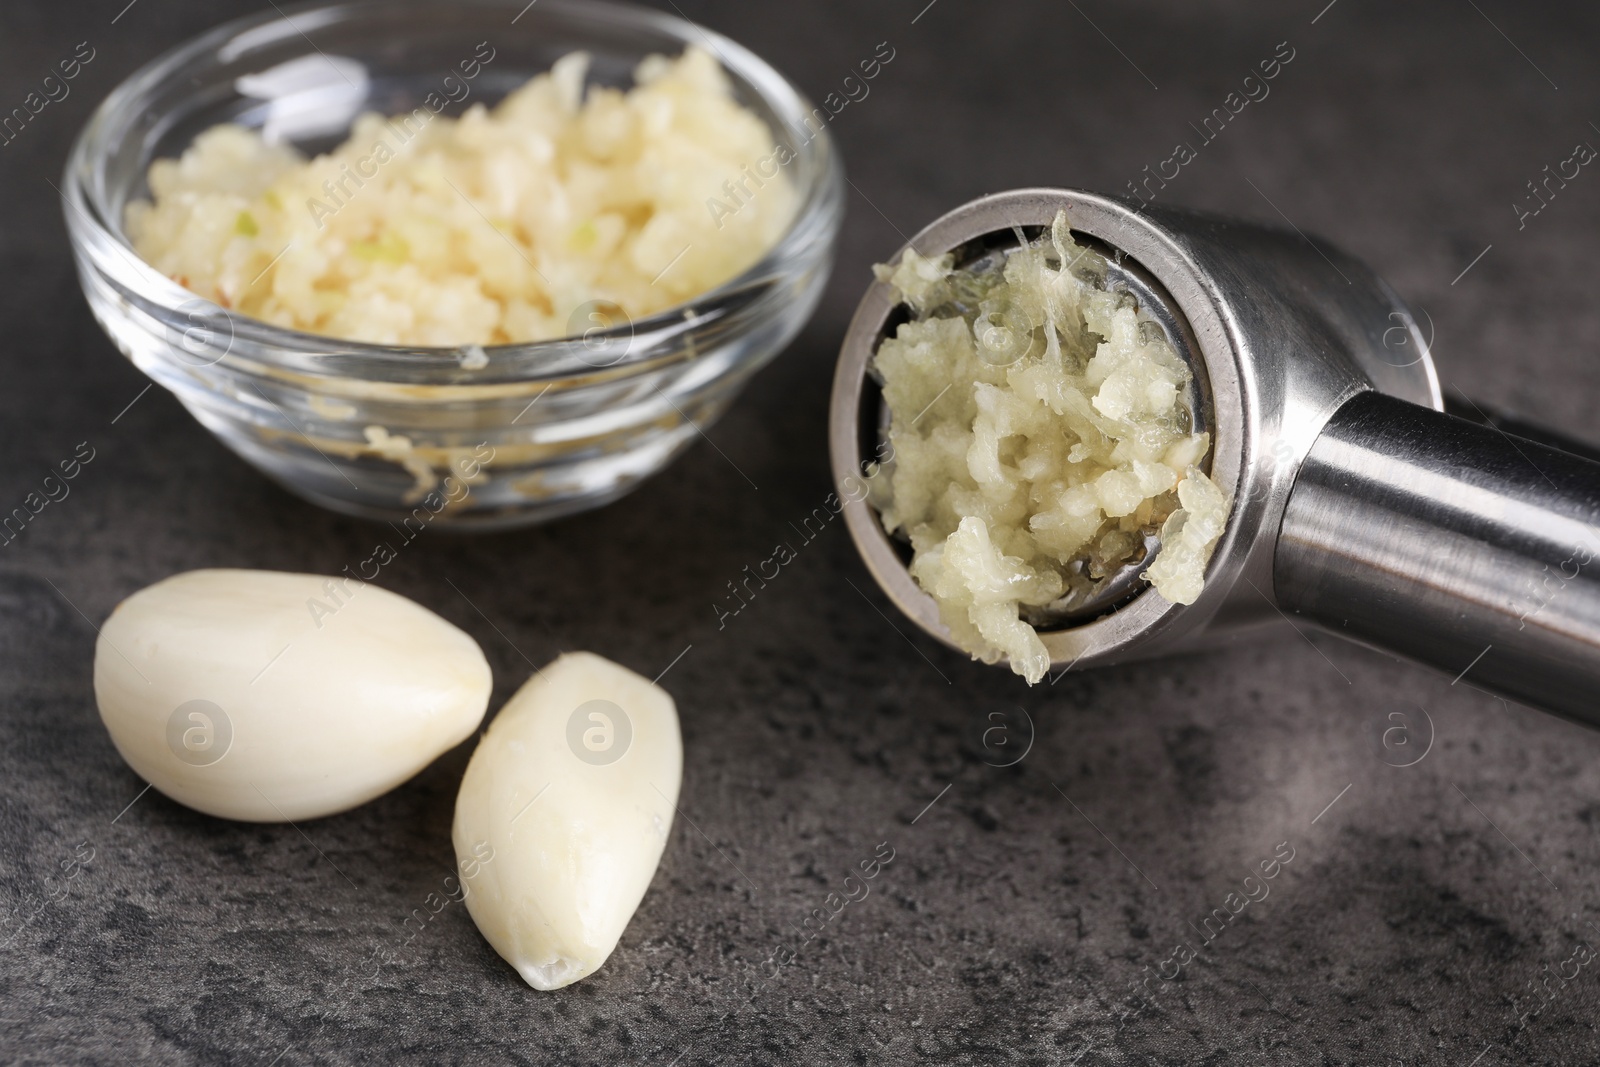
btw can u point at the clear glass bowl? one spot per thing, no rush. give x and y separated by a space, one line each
544 429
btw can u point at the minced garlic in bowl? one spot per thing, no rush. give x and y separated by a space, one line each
493 228
1041 434
541 279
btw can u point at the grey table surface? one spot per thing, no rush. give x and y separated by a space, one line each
1431 914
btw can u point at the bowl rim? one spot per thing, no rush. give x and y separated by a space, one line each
86 211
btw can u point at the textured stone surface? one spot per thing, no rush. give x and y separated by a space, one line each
1408 928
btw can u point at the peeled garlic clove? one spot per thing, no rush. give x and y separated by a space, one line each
278 697
563 815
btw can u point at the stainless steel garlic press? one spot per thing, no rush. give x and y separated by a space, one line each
1359 504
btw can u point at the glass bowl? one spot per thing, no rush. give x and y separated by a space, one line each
500 436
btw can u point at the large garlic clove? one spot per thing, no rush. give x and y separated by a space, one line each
278 697
563 815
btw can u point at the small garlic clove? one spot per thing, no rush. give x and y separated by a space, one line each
563 815
273 697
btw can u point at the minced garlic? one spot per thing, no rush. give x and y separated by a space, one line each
501 226
1040 431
